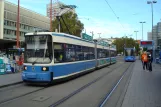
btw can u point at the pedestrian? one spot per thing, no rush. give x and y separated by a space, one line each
145 61
141 58
60 57
150 60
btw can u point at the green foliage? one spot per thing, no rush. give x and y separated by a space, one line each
127 43
75 26
144 49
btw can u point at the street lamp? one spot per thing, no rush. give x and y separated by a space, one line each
99 35
136 34
18 25
92 33
142 28
84 30
151 2
51 8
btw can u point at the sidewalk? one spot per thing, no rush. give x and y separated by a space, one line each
9 79
144 89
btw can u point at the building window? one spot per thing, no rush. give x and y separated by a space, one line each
5 22
21 26
8 31
14 24
5 31
9 23
22 33
15 33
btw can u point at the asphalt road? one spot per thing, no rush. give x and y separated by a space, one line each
88 97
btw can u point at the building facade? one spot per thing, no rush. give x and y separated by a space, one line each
57 9
149 36
156 35
29 22
159 34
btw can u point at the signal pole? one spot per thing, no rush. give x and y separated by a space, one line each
136 34
18 25
51 15
99 35
92 33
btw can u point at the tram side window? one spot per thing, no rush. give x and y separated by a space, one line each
98 53
104 53
86 52
58 53
101 53
112 53
91 53
79 53
70 53
107 53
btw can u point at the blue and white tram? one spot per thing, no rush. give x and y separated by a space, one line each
52 56
129 54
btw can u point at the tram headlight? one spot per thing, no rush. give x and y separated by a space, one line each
25 67
45 68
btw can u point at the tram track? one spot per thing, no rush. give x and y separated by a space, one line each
9 86
12 84
62 100
109 94
3 101
40 89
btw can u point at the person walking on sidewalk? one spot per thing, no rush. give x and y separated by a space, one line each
141 58
150 60
145 60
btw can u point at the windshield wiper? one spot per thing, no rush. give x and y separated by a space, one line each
45 48
34 61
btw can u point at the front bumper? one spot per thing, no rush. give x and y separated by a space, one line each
31 76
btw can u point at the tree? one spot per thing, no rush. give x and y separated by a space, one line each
71 20
125 42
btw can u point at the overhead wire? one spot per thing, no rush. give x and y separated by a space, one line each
115 14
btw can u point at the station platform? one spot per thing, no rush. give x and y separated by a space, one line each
144 89
10 79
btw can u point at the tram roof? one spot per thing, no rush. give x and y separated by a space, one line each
63 35
59 34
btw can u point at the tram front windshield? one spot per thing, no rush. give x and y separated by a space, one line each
129 52
38 49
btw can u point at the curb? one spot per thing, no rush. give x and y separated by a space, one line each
6 85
